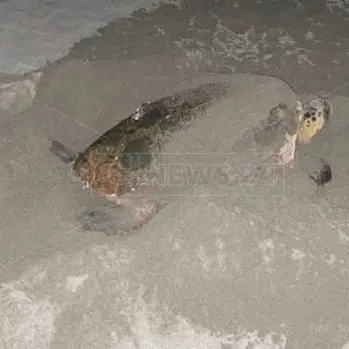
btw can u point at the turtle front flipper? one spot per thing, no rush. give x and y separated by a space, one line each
66 154
323 175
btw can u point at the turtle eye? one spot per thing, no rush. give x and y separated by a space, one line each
313 118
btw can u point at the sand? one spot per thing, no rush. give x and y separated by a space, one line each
219 267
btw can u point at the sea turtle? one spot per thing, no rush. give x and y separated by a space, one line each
119 161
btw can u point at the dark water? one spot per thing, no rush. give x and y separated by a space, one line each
305 43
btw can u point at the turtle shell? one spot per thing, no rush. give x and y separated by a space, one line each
117 161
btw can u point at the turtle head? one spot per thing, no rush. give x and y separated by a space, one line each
316 115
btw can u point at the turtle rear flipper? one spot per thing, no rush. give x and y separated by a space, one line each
101 218
120 219
66 154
